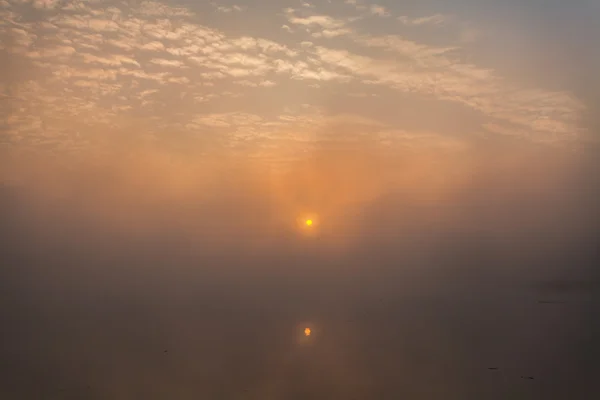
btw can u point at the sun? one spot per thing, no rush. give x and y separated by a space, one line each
308 224
307 332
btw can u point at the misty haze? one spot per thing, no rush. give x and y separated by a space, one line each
293 200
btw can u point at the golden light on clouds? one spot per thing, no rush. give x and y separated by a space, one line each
126 84
135 157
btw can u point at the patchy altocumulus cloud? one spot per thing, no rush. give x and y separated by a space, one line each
436 19
102 63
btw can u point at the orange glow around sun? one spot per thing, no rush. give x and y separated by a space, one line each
308 223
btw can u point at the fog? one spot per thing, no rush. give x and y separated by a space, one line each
149 273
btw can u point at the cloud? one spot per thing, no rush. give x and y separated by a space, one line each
477 88
83 45
167 63
153 76
406 47
46 4
123 44
154 45
267 83
113 60
180 80
329 27
98 87
246 83
65 72
228 9
436 19
330 33
226 120
102 25
148 92
323 21
53 52
358 5
156 9
379 11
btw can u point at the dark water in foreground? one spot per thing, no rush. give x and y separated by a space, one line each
99 317
75 335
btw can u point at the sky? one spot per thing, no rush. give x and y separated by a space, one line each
159 161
